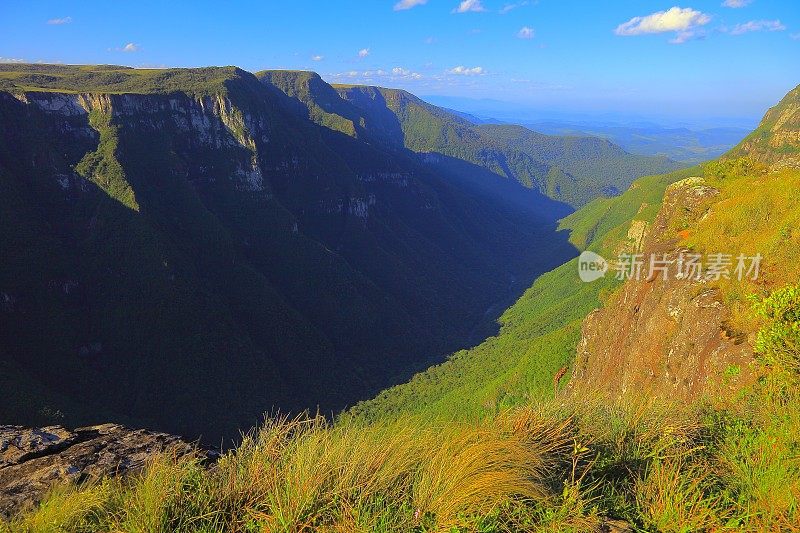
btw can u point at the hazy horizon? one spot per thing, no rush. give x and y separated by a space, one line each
521 113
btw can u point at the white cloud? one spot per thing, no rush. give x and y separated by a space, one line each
736 3
464 71
400 72
469 5
510 7
430 40
795 36
526 33
59 21
684 21
364 52
317 58
131 47
11 60
397 73
758 25
408 4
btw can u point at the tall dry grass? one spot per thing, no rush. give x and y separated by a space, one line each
304 474
564 466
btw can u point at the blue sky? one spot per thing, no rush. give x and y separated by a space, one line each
730 58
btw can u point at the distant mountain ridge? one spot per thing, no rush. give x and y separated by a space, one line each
687 145
688 140
570 169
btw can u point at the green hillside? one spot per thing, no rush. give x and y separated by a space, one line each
581 167
572 170
775 140
539 333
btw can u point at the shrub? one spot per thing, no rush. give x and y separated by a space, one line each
778 342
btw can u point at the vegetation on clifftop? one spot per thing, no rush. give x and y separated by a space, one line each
113 79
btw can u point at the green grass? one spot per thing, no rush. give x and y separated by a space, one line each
304 475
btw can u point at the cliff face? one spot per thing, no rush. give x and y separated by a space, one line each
664 336
676 336
211 122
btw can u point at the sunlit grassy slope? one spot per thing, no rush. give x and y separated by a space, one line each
757 212
538 334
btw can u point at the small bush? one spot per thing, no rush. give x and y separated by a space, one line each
778 342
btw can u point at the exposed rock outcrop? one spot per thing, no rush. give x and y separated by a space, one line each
665 333
33 460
